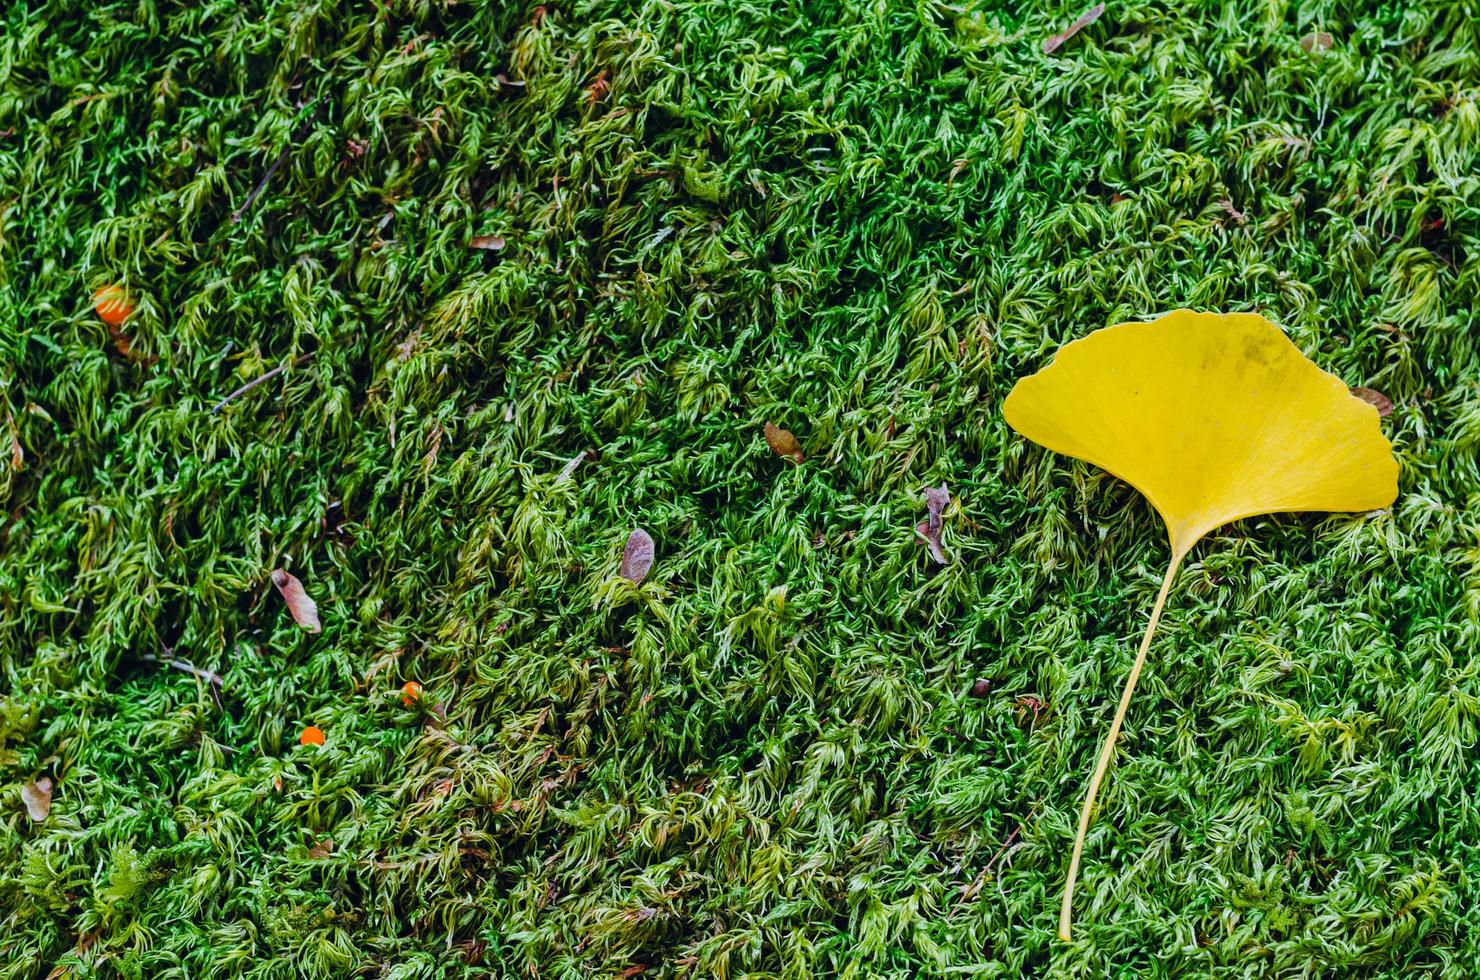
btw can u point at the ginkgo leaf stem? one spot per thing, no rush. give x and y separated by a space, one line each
1107 748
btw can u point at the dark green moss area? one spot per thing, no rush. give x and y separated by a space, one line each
859 221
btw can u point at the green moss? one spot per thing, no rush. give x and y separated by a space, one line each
861 222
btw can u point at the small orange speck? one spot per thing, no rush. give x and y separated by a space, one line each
410 693
112 305
312 735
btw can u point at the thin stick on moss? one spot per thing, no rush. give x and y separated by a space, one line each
206 675
299 361
1107 749
298 136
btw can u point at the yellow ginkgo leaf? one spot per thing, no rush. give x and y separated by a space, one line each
1212 417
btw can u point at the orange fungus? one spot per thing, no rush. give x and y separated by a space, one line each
112 305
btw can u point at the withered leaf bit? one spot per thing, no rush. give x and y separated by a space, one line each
489 243
637 557
37 797
1376 399
783 443
1052 44
305 612
1239 217
937 499
570 467
1316 41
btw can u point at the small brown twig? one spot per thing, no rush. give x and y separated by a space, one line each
189 668
236 216
298 361
298 136
970 890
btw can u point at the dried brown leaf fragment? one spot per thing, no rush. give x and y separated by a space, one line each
302 607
